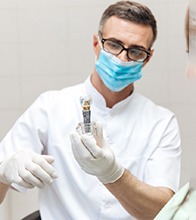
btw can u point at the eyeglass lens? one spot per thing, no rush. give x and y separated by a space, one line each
132 53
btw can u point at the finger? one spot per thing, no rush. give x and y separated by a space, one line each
99 133
50 159
39 173
99 128
45 165
21 182
33 174
16 178
78 148
90 144
27 178
75 138
22 177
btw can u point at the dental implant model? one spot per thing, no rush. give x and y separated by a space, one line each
86 111
86 127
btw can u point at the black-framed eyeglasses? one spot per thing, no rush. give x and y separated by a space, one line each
133 53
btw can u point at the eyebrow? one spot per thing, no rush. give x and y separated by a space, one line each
132 46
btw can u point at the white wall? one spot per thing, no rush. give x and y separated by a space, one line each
47 44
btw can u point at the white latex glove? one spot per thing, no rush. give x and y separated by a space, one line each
96 159
27 169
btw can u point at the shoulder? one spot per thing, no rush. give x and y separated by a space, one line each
150 108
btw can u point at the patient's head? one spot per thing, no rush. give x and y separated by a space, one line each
190 33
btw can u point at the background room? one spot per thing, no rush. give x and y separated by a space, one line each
47 45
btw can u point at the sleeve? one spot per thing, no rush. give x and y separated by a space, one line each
177 207
163 166
29 131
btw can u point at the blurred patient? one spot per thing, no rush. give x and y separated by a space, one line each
182 206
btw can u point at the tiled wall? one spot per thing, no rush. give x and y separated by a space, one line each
47 44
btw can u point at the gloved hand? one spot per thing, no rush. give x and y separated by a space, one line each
96 157
27 169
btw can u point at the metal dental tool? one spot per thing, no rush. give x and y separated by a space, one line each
86 106
87 127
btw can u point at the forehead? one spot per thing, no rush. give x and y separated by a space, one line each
128 32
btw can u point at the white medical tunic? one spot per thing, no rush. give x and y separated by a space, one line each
143 136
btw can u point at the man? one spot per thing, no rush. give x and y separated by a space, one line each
134 165
182 206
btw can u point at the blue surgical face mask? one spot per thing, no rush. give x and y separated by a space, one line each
116 74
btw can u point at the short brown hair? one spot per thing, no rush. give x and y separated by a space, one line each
130 11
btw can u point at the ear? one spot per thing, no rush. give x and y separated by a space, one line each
151 53
96 46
